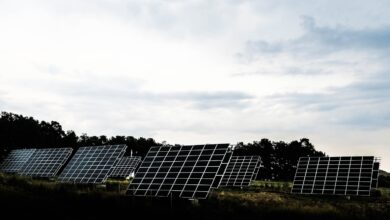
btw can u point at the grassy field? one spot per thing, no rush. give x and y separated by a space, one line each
39 199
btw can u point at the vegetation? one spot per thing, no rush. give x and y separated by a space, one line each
26 198
18 131
384 179
279 159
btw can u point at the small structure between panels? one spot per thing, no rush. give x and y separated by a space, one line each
190 171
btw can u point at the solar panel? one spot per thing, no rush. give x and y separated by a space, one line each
334 175
241 171
15 160
257 169
46 162
126 167
180 171
222 170
375 175
92 164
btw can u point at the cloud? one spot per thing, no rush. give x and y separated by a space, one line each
170 69
197 99
324 40
362 104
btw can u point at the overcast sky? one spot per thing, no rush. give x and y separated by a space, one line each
191 72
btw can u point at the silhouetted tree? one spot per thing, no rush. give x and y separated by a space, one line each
279 159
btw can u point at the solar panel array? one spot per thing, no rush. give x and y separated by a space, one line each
180 171
335 175
92 164
126 167
15 160
241 171
46 162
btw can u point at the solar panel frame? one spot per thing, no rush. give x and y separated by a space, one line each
375 174
222 170
46 162
257 169
92 164
241 171
126 166
15 160
180 171
347 175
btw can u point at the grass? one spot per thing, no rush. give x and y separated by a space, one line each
47 199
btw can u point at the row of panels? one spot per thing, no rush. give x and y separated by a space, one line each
191 171
81 168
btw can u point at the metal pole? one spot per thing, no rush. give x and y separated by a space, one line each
171 201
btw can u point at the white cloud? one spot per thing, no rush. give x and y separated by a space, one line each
202 71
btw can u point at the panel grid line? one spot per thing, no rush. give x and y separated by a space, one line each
170 168
360 175
241 171
92 164
183 171
46 162
347 175
315 175
197 159
326 175
208 162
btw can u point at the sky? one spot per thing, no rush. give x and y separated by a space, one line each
195 72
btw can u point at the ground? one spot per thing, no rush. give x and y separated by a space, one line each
42 199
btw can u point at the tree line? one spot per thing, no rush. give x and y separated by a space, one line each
279 158
18 131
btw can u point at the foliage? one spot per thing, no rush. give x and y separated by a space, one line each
384 181
279 159
18 131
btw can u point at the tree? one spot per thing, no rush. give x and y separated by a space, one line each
279 159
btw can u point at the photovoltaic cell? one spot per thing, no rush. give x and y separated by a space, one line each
92 164
241 171
335 175
126 166
15 160
46 162
179 171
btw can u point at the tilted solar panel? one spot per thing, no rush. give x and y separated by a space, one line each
334 175
375 175
241 171
126 167
179 171
257 169
15 160
46 162
92 164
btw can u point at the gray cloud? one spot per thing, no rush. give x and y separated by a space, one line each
109 90
209 100
325 40
363 104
